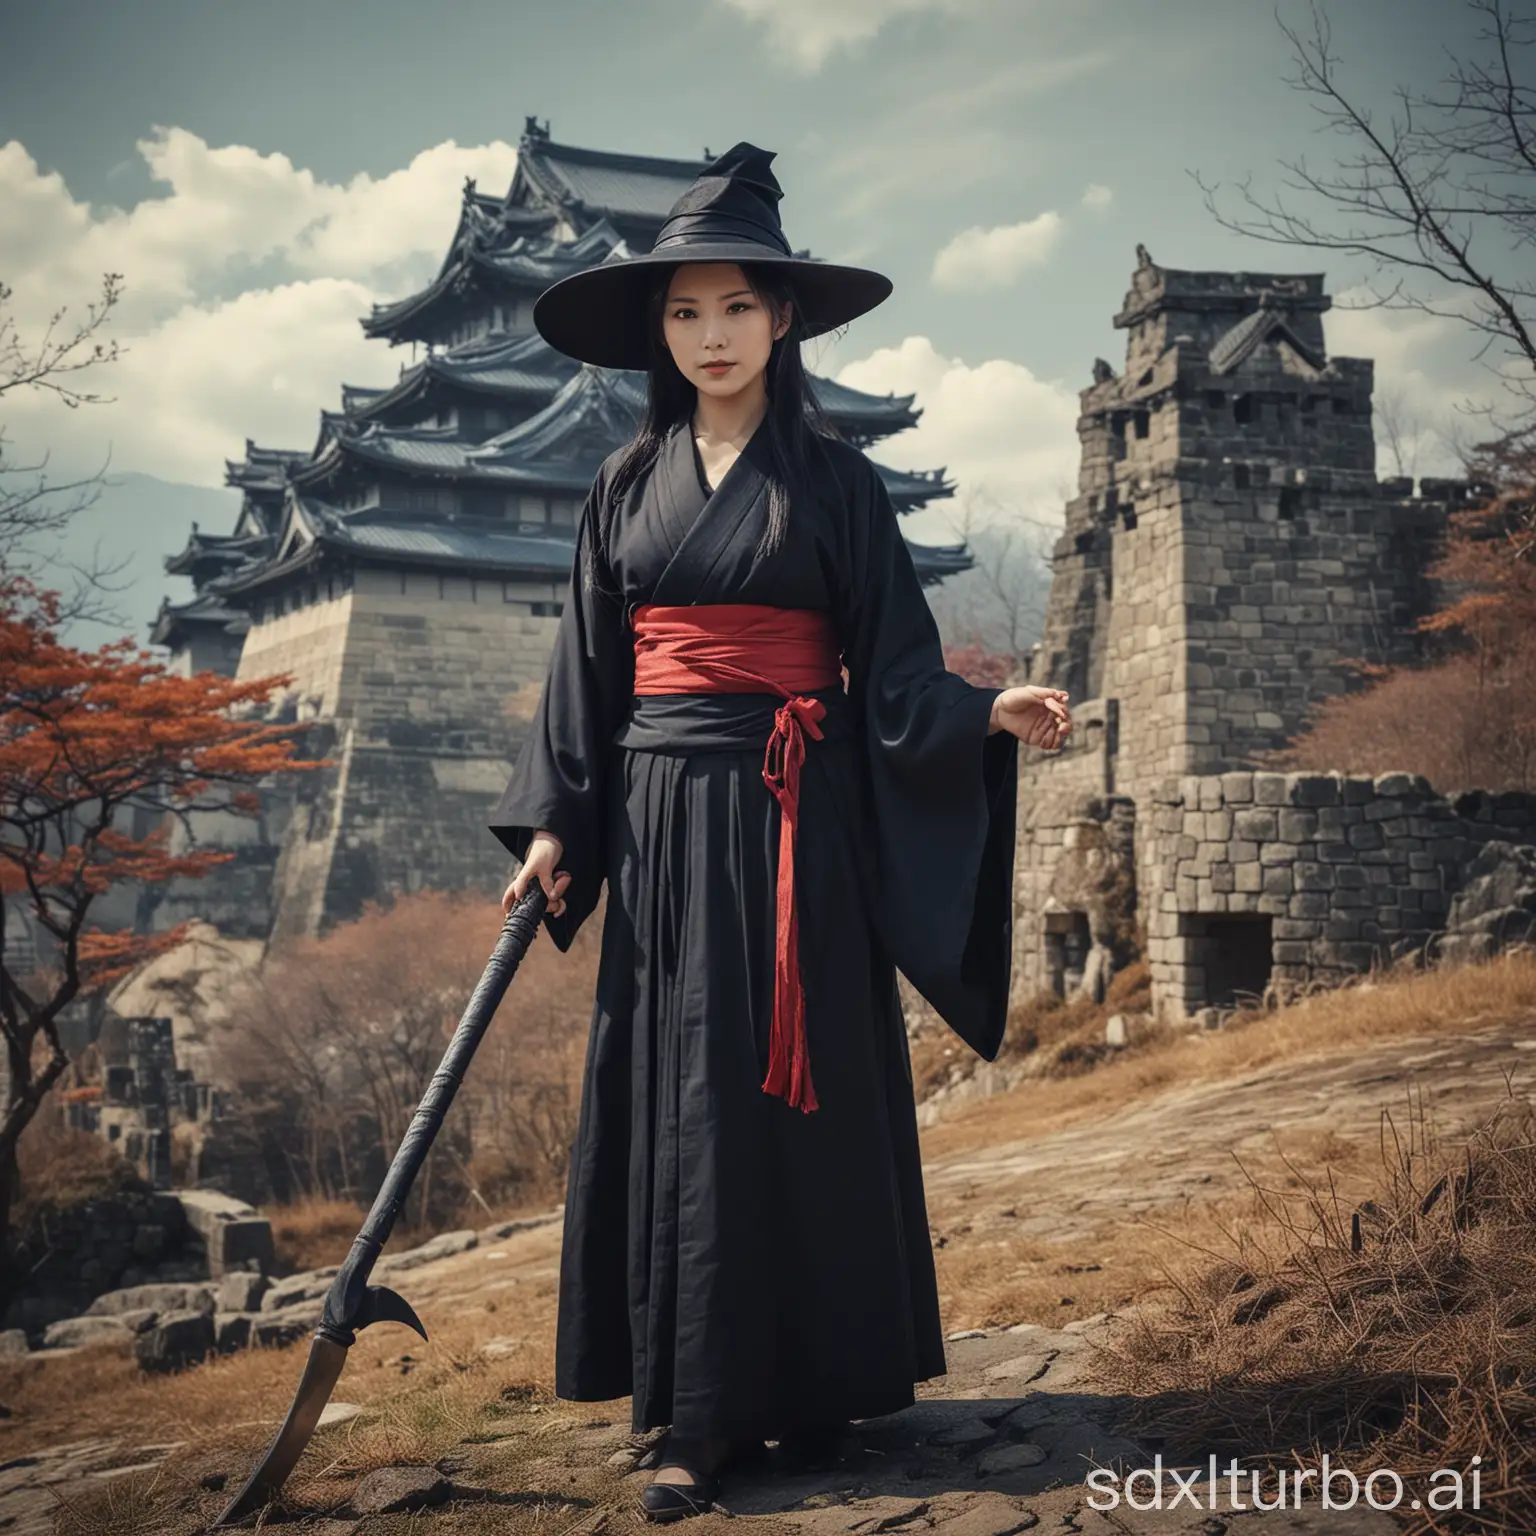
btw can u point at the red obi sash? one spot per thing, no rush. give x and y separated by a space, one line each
753 648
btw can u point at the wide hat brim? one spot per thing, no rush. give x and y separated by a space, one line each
599 315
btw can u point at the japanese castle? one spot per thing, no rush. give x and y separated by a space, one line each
408 570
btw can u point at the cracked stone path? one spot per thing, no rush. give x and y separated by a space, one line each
1003 1442
1178 1145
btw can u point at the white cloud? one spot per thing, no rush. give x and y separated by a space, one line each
1421 378
806 33
206 364
1007 439
1096 195
993 258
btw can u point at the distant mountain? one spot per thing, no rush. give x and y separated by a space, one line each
139 520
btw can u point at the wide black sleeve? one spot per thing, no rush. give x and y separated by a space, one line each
943 792
561 779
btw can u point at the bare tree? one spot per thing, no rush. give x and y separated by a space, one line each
1400 431
999 604
32 506
1440 197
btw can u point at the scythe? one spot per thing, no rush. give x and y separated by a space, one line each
352 1304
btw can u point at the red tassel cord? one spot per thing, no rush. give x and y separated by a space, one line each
789 1062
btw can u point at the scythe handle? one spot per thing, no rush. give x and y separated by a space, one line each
346 1301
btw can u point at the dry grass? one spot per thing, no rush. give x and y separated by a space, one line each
1050 1036
1398 1331
60 1168
310 1234
498 1421
1405 1003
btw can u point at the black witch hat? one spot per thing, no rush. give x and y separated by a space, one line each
729 214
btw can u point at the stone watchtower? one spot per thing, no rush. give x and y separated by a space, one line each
1229 547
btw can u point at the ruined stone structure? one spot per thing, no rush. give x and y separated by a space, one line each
409 572
1230 546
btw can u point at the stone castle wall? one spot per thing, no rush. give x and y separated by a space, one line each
1298 878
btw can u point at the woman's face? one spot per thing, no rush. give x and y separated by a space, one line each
717 329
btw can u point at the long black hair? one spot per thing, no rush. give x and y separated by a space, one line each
795 418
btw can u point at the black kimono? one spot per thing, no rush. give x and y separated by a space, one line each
738 1266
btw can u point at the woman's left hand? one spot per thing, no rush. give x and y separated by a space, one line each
1037 716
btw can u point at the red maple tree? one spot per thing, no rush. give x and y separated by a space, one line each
90 740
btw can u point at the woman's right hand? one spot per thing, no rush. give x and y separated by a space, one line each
542 863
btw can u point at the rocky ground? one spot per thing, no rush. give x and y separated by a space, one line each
1001 1444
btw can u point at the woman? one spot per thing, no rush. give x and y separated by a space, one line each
747 730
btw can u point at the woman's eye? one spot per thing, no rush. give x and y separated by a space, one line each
682 314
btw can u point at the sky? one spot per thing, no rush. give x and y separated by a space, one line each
261 175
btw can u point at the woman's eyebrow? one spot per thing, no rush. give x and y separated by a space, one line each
682 298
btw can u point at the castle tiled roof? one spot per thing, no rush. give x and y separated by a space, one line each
590 184
558 448
1230 348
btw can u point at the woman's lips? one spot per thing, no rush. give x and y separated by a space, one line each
718 368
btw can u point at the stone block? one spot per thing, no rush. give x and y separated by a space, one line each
1237 788
1295 928
231 1331
234 1235
1278 853
154 1298
241 1291
1255 825
1278 880
1384 810
1313 876
1309 904
182 1339
1270 789
1358 790
1297 826
84 1332
1312 789
1397 785
1365 836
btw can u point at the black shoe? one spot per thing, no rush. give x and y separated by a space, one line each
676 1501
813 1447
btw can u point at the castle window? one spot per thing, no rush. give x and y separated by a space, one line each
562 513
1143 423
1128 517
1144 380
1242 409
1117 424
1290 500
1240 476
1084 542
